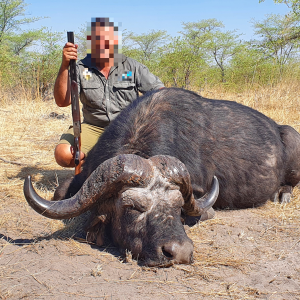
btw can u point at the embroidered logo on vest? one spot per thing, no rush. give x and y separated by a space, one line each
127 76
87 74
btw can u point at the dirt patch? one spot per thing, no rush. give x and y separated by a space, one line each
242 254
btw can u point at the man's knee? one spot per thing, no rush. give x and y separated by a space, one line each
64 155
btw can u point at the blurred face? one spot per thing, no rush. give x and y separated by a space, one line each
103 42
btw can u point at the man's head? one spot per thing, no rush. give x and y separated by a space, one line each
103 41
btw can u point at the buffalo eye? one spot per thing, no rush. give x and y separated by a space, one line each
138 208
135 207
135 200
128 203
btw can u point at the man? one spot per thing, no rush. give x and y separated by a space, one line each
107 83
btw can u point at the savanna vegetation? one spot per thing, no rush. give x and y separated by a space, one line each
204 55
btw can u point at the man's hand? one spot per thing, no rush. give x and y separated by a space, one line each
62 93
69 52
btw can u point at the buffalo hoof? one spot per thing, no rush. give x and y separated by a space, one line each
285 198
283 195
275 198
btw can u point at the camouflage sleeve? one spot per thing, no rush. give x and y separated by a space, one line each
146 81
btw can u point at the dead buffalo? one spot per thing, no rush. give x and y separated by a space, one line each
160 159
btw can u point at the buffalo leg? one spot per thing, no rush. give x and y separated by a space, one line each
283 195
286 193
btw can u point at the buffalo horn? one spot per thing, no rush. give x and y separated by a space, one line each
108 179
197 207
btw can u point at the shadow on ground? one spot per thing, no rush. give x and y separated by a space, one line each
44 178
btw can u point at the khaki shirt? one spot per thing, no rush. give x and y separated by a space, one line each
103 99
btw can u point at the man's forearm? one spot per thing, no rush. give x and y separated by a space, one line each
62 93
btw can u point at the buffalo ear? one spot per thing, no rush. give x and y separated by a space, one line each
69 187
61 191
96 229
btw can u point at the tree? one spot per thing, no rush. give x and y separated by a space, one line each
248 68
197 34
223 46
178 63
48 61
294 15
19 42
274 44
32 71
81 40
292 4
198 30
185 56
11 13
146 45
125 39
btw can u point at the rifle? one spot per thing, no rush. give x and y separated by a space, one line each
75 109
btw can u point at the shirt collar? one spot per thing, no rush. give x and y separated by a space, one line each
87 61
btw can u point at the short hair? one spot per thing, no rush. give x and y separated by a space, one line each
103 22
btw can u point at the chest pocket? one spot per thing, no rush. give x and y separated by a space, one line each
90 84
92 93
124 93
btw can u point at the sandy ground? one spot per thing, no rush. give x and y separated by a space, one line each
242 254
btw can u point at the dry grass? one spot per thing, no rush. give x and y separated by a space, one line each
28 135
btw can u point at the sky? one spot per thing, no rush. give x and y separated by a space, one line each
140 16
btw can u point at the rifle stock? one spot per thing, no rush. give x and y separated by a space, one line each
75 109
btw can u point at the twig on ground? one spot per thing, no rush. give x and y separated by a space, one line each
295 244
13 162
21 164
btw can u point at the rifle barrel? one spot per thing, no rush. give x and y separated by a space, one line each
75 109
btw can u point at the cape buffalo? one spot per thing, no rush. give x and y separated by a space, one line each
161 157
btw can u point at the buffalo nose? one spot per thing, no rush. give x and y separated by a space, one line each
181 253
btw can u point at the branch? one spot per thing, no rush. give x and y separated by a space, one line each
292 37
13 162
